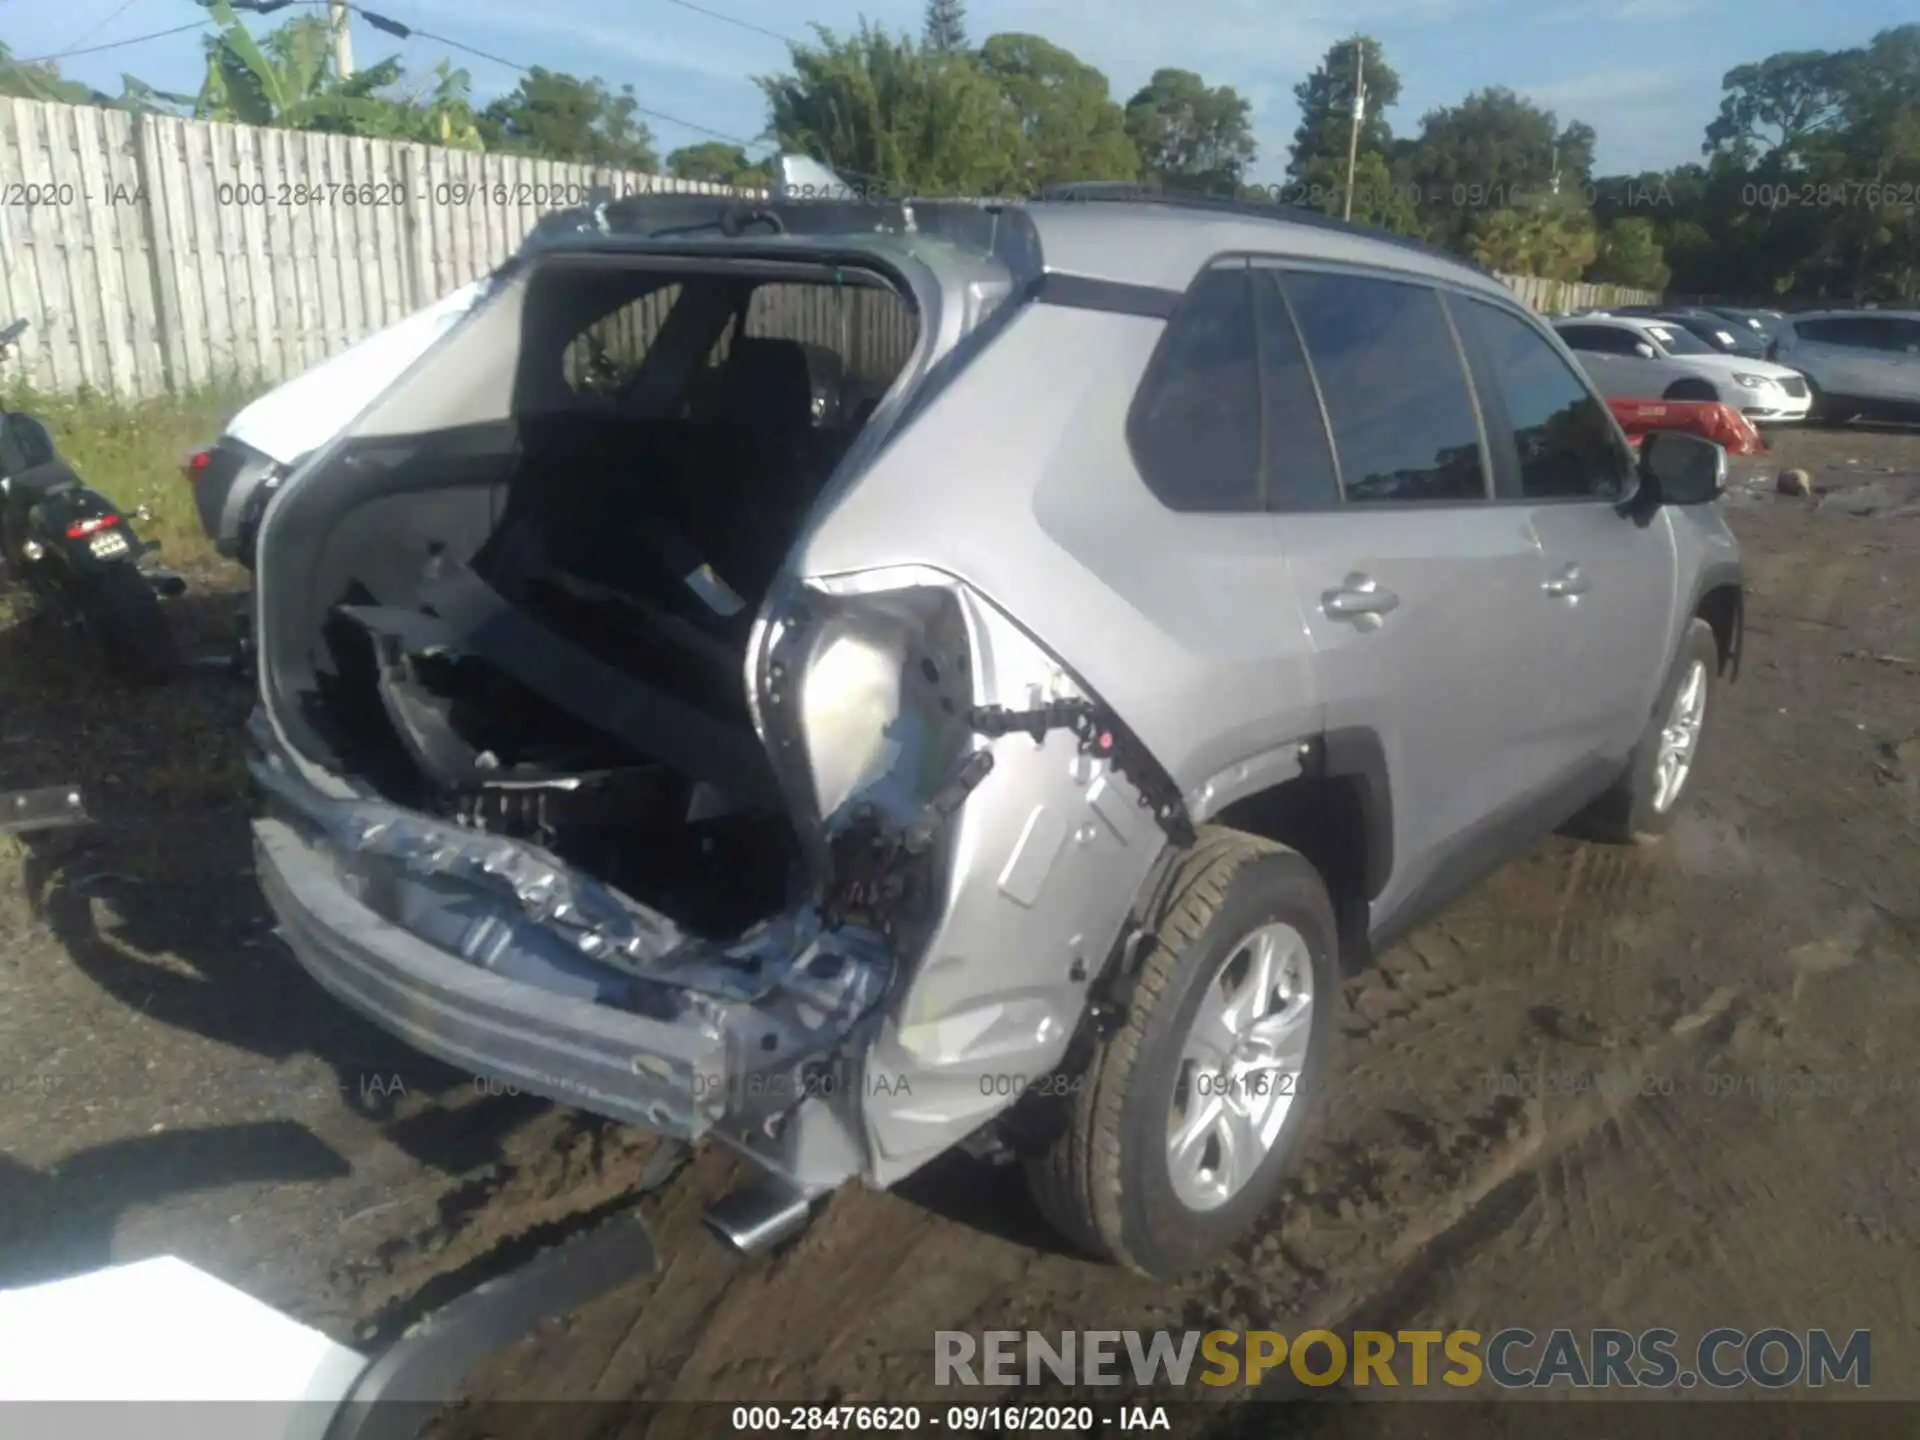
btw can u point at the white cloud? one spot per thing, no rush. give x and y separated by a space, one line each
1647 119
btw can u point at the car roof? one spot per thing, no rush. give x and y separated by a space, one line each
1163 242
1851 314
1121 234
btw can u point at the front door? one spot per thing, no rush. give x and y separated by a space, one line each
1610 575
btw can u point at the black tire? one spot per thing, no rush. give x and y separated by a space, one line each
1625 815
1823 409
1691 390
1104 1182
125 614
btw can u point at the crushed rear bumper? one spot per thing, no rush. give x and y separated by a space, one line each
493 956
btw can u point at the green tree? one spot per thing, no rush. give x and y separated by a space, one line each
1547 238
1630 254
718 163
1492 151
946 26
1072 127
1326 110
1192 136
556 116
1775 107
889 113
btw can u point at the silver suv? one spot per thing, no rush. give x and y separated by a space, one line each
1860 363
860 679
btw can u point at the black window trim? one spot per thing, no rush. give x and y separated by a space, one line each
1511 492
1340 501
1393 276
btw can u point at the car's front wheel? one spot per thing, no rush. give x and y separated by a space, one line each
1182 1125
1641 805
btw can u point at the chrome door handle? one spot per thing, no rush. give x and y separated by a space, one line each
1568 582
1359 597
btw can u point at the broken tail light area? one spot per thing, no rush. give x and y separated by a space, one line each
974 805
195 465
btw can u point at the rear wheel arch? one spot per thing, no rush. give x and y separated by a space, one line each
1338 814
1691 388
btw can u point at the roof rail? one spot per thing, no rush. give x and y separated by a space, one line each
1131 192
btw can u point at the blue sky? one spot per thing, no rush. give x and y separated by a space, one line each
1645 73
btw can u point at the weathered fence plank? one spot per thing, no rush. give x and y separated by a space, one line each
155 254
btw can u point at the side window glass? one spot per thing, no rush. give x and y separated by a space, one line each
1565 440
1397 399
1906 336
1300 474
1195 428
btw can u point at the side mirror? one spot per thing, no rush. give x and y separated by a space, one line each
1643 350
1681 469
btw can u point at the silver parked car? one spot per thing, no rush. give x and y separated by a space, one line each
1860 363
1014 761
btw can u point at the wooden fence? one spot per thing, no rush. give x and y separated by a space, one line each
153 254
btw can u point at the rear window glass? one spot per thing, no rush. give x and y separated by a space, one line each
854 338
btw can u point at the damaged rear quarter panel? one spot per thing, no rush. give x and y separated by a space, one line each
867 681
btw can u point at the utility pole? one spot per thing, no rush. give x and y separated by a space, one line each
342 43
1359 112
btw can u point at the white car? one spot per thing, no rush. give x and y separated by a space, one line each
1630 358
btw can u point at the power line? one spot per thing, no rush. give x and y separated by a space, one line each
115 44
95 29
399 31
730 20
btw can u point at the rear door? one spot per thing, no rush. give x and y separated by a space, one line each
1420 595
1609 591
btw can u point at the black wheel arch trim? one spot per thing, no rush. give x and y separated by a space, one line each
1356 753
1718 575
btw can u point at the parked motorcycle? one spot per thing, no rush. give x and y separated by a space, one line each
75 550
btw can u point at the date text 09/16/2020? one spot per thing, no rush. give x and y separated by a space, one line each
952 1419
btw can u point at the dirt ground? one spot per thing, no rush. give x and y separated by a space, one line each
175 1084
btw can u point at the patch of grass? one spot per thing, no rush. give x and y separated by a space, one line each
130 450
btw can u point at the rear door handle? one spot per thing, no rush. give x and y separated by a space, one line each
1359 598
1569 582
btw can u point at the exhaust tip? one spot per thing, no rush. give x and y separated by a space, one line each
759 1215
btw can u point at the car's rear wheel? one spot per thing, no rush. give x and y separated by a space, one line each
1182 1125
1641 806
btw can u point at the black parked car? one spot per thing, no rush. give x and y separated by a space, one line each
1726 336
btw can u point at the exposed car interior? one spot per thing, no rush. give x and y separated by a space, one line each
545 637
